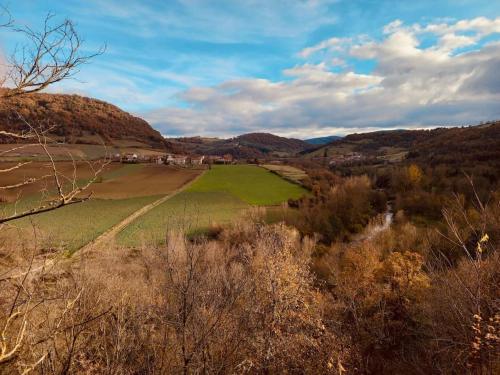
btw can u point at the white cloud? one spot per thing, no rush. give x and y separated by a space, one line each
450 41
411 86
330 44
393 26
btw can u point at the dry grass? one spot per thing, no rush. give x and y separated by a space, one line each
242 304
288 172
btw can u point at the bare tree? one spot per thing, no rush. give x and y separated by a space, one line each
50 56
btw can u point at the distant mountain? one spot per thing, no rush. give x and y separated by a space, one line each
267 143
246 146
322 140
441 145
77 119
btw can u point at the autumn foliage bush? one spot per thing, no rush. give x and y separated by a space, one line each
419 299
245 303
340 210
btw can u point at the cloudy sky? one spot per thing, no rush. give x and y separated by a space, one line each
300 68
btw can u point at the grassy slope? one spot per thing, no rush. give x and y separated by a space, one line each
188 211
251 184
73 226
218 197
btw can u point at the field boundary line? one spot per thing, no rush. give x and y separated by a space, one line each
110 233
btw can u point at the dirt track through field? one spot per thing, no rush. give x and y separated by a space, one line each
45 265
113 231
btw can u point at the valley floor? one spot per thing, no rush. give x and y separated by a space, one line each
140 203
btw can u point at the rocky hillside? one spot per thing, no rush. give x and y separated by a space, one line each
77 119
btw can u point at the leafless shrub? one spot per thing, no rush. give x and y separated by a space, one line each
465 304
44 312
203 307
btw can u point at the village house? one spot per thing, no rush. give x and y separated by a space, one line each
130 158
196 160
228 159
215 159
180 159
169 159
346 158
176 159
158 159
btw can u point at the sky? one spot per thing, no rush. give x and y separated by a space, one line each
303 68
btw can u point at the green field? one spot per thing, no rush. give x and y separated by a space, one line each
71 227
251 184
219 196
187 211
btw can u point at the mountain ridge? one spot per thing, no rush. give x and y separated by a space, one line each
244 146
450 144
322 140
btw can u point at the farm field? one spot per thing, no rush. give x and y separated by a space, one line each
187 211
251 184
136 180
118 181
71 227
124 189
65 152
221 195
287 172
38 170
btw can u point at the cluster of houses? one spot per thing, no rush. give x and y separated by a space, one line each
346 158
173 159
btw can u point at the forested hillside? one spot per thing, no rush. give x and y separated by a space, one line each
246 146
76 119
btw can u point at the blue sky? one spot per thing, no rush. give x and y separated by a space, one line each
295 68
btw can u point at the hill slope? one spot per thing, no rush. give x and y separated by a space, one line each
442 145
267 143
466 146
77 119
322 140
252 145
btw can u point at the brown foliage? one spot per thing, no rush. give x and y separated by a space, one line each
242 304
75 119
338 211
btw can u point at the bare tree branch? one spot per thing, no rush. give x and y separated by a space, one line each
50 56
6 17
17 166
